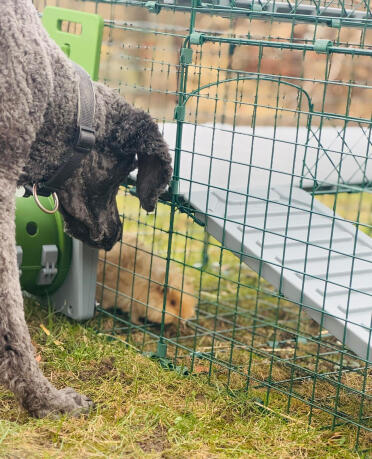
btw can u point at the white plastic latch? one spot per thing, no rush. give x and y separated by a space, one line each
49 257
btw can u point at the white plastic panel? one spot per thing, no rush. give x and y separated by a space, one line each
76 297
234 157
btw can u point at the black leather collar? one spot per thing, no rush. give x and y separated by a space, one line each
85 138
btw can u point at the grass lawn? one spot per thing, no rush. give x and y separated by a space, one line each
145 411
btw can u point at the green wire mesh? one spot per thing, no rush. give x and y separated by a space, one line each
294 78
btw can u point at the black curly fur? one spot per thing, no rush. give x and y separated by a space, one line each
38 113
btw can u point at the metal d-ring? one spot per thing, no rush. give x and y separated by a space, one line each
40 206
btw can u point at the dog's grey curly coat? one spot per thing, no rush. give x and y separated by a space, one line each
38 113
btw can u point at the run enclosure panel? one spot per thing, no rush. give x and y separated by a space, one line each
314 257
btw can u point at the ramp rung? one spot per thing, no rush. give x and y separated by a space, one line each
355 309
295 212
330 274
313 242
334 255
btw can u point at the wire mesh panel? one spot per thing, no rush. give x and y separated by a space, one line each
255 269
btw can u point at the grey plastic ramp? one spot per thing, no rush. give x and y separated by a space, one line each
298 245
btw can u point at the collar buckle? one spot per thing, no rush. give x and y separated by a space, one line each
86 138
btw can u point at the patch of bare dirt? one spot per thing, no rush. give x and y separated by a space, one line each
156 442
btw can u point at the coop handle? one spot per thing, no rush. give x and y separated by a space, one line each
40 206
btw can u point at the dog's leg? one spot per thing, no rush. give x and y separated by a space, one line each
19 370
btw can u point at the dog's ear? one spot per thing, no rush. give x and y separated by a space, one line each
154 170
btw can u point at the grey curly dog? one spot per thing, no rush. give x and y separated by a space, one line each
38 117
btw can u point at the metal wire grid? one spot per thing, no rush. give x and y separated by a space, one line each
253 83
245 335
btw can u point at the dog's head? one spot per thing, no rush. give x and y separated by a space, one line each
88 201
